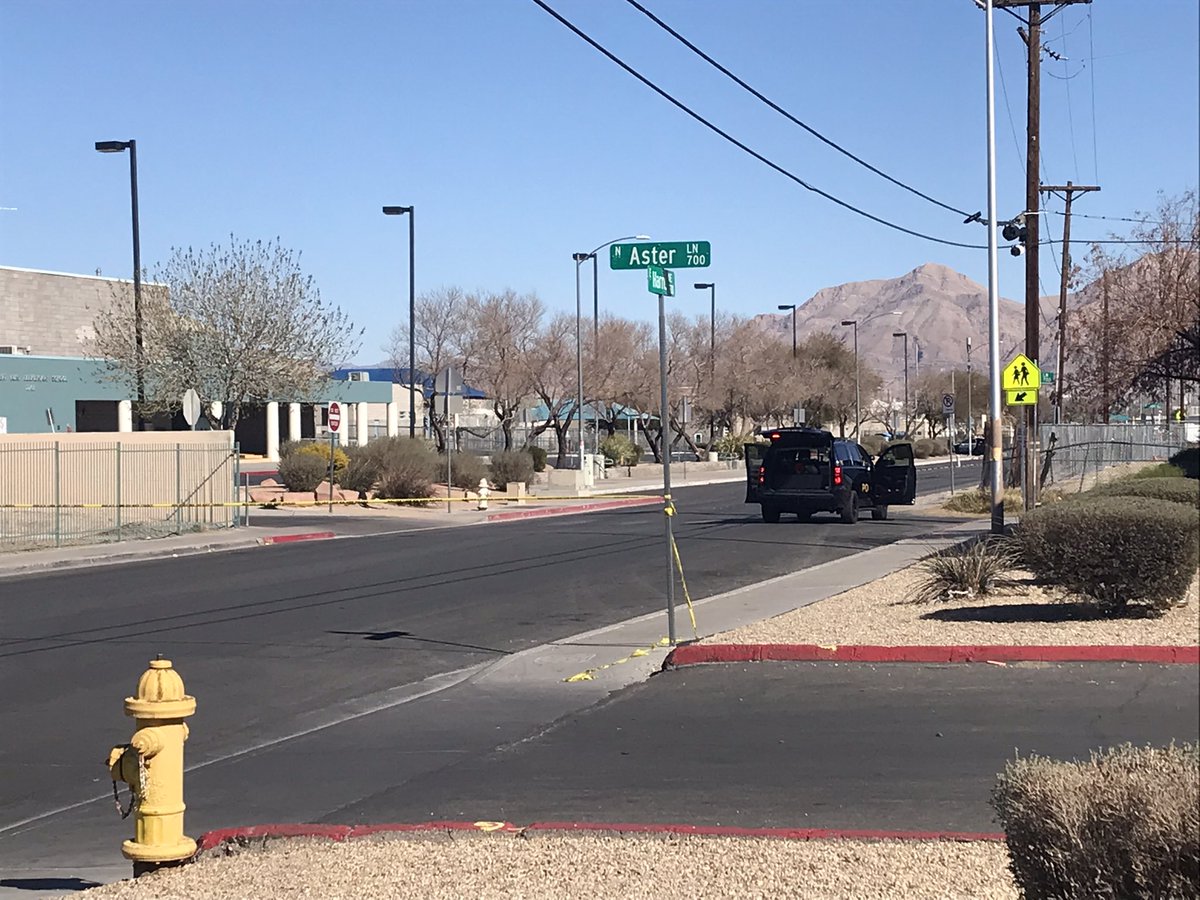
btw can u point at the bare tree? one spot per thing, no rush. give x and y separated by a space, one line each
1140 324
503 330
239 324
551 372
441 339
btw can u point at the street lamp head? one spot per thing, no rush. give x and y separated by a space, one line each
849 321
641 237
112 146
580 257
899 334
396 210
787 305
702 285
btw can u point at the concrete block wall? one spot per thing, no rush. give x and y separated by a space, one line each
50 312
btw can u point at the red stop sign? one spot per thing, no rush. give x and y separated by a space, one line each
335 416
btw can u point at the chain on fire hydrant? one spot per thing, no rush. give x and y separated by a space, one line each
484 491
152 765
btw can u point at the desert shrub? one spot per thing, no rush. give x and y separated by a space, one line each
1114 550
1125 823
287 448
539 455
979 502
1159 470
1175 490
511 465
320 450
923 448
620 450
873 443
302 472
967 571
370 464
465 469
404 468
1187 459
732 444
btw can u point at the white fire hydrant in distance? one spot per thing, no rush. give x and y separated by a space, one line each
484 490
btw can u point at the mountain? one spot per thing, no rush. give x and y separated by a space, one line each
938 307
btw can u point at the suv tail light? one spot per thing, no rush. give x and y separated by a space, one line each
837 475
762 474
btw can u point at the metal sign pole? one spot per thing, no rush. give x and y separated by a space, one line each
668 506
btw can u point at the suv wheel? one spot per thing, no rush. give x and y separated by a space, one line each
850 510
879 512
770 513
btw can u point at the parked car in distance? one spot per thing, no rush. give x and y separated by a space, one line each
808 470
973 449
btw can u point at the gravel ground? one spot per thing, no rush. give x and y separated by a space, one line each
877 613
548 866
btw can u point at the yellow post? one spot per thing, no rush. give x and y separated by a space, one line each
152 765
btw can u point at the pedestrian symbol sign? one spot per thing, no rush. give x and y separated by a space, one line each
1022 374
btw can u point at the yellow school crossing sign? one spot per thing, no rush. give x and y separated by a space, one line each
1020 380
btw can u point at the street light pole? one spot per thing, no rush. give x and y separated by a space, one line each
712 351
580 258
970 420
412 313
904 334
857 413
792 307
139 360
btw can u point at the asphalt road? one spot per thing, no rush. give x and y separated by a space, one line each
268 635
804 745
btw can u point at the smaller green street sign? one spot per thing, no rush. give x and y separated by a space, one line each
660 281
682 255
1047 378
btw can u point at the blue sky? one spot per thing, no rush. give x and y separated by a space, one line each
519 144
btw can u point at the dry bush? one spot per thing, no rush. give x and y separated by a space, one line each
967 571
1124 824
1115 551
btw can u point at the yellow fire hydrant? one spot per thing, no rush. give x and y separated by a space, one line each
152 765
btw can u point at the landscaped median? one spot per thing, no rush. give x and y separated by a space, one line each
567 860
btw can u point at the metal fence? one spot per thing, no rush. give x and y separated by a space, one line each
1072 451
53 494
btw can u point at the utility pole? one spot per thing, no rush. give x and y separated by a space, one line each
1060 382
1033 107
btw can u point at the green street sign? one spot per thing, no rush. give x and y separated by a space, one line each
1047 378
683 255
660 281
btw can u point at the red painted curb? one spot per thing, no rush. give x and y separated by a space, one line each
692 654
292 538
213 839
571 510
791 834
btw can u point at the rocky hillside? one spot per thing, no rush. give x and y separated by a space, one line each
938 307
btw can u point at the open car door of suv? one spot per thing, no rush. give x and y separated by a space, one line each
895 475
754 461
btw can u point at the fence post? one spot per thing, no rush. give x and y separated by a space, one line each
178 490
118 490
57 497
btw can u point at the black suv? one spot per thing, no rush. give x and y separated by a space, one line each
807 470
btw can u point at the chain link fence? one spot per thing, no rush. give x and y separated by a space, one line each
1071 452
54 494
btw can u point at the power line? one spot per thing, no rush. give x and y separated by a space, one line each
1070 110
731 139
783 112
1109 218
1092 80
